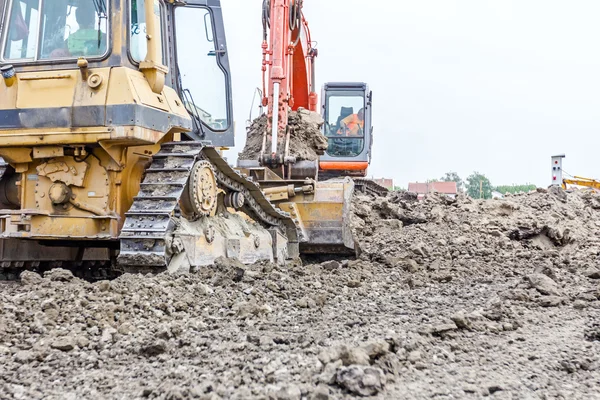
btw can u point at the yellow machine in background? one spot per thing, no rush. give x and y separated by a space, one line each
557 176
112 117
579 181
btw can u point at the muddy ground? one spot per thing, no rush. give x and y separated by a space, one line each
306 139
449 299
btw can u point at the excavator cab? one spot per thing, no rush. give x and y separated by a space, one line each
346 110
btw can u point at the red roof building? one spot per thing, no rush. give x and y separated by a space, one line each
447 188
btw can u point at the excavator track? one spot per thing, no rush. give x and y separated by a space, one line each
147 232
369 187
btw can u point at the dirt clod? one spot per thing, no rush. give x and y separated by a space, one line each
289 392
63 343
30 278
360 380
544 284
593 273
59 274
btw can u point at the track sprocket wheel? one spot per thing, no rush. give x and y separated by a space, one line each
201 195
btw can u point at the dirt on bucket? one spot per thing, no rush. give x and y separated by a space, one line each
307 142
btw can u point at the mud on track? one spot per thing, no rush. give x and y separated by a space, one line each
448 299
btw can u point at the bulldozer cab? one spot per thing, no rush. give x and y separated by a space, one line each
188 49
91 91
346 110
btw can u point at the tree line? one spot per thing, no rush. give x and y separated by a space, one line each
477 185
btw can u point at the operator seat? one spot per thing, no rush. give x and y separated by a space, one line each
344 112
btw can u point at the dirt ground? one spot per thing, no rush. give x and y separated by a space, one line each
306 140
449 299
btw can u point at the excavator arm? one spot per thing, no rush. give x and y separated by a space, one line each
288 70
580 181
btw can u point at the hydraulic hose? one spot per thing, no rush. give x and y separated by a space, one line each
294 15
266 17
296 18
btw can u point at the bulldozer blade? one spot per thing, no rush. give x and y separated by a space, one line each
325 217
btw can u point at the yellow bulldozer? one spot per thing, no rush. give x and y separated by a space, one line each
113 118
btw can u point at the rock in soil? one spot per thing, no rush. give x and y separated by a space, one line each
544 284
364 381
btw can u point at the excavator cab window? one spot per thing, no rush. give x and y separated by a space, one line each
202 81
345 123
55 29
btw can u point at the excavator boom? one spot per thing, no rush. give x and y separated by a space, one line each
288 66
557 176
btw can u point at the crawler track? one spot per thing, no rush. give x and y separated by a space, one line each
146 234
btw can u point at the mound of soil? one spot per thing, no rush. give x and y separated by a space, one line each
306 140
449 299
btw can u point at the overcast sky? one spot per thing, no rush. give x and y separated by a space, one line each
496 86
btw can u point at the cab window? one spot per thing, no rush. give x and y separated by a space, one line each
55 29
345 123
203 83
137 30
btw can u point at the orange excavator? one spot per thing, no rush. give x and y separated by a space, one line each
289 83
317 194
